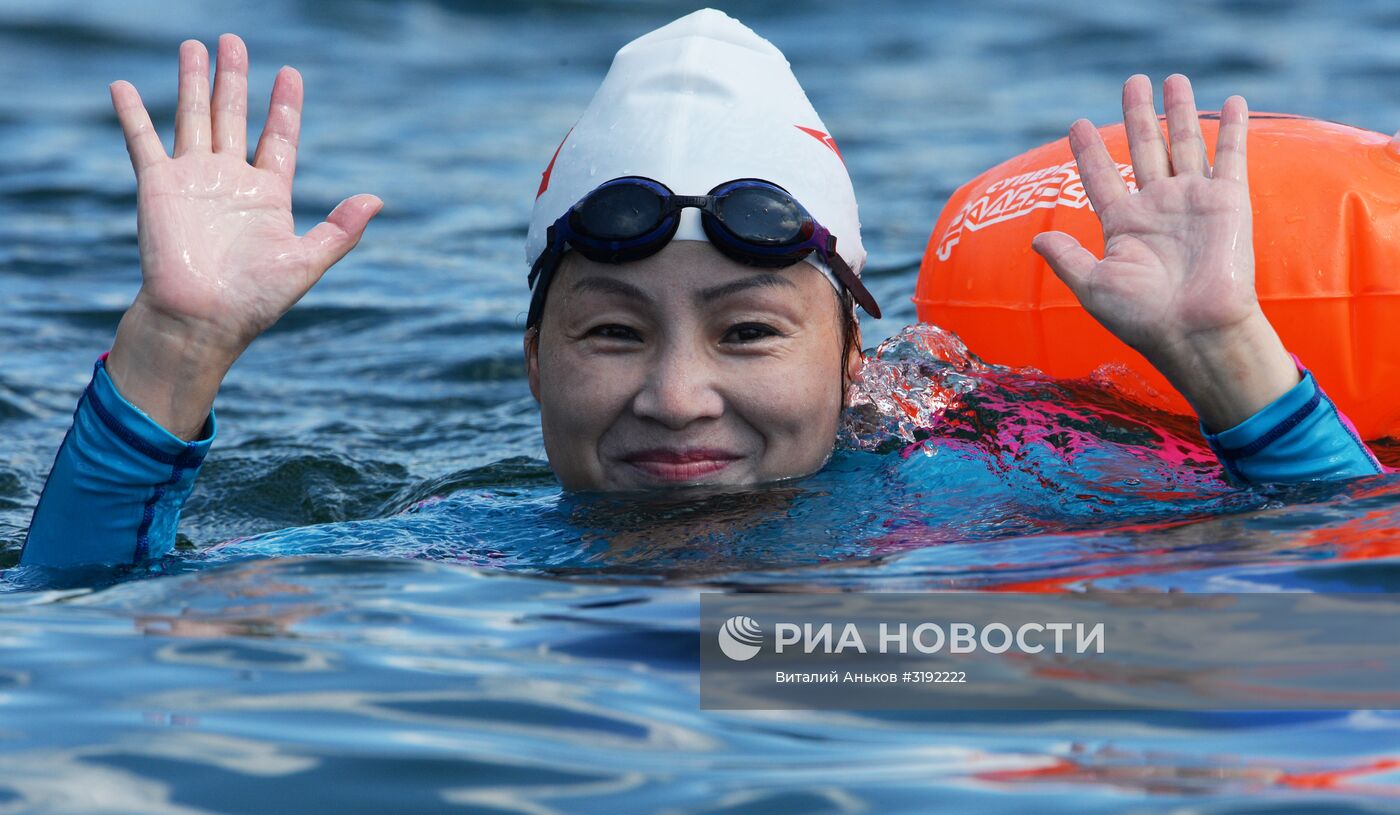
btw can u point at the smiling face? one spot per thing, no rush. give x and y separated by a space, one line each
687 368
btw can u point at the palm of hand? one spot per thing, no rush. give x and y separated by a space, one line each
218 244
1173 262
1178 267
1176 282
220 258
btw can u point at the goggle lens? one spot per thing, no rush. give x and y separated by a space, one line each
618 212
762 216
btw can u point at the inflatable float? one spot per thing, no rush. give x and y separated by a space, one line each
1327 252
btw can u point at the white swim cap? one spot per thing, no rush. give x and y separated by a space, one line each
695 103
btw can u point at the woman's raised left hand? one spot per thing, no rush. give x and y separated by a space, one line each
1176 282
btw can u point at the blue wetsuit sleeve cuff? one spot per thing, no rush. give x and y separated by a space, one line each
117 484
1272 421
1299 436
131 424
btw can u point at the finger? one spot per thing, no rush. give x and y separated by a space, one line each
1188 150
1070 261
231 98
1145 142
1102 181
277 148
192 110
142 142
333 238
1230 159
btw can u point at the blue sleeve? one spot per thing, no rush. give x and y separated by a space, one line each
116 487
1300 436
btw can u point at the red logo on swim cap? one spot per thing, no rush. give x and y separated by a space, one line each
823 138
544 178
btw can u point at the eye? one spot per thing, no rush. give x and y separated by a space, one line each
614 331
750 332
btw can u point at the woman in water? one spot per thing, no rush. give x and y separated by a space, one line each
702 330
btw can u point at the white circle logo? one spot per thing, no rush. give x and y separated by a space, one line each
740 638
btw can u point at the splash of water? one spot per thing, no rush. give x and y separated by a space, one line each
923 391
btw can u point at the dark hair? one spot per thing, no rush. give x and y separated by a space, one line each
849 326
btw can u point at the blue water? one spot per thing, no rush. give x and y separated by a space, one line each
456 635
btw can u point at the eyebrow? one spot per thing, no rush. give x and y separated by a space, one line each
611 285
754 281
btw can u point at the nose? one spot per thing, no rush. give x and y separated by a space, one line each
681 387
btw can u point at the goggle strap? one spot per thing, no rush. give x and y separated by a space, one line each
848 278
541 274
537 299
535 271
549 250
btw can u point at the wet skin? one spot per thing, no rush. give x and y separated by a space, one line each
687 368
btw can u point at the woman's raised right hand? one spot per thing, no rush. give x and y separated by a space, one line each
220 259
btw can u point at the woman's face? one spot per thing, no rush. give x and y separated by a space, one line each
687 368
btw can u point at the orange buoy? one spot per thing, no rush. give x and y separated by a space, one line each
1327 261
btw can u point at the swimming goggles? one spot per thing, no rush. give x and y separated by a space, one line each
752 221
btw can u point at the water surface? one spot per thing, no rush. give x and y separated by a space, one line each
457 635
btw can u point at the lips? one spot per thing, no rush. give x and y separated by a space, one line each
684 464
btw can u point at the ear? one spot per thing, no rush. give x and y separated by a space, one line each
532 361
855 360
